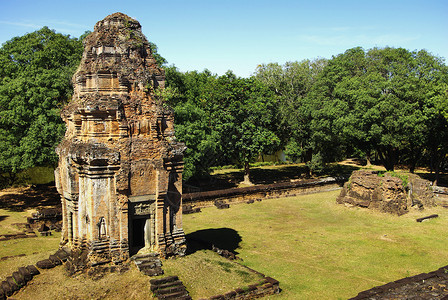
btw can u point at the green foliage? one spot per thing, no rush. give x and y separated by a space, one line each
317 163
404 178
192 119
292 82
221 119
384 101
34 84
244 114
160 60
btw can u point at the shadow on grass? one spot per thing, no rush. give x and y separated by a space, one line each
266 175
31 197
222 238
2 218
335 170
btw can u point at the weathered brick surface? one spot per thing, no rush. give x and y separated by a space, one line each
386 193
120 167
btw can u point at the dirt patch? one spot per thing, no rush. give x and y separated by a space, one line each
129 285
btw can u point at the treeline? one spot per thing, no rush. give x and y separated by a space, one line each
384 104
387 104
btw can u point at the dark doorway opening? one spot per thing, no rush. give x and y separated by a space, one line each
138 233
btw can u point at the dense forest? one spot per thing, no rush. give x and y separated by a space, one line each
388 105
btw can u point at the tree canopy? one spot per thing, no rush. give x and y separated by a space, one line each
382 101
389 104
222 119
35 81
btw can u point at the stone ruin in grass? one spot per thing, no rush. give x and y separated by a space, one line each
387 193
120 167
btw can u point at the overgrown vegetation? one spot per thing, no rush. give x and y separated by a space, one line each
404 178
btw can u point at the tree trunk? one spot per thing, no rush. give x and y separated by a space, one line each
415 157
306 159
388 158
247 174
368 162
412 167
438 164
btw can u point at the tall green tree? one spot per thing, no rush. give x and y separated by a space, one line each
35 81
222 120
292 82
245 115
381 100
189 98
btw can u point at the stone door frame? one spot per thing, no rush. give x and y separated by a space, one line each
142 207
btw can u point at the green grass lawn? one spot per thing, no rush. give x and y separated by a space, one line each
206 274
35 249
318 249
8 218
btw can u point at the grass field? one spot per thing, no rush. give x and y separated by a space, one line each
318 249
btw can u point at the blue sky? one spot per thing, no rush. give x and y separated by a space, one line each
238 35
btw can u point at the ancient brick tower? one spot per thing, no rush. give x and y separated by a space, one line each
120 167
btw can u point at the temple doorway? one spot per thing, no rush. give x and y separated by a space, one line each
141 226
138 230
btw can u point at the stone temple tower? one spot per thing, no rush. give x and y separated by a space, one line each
120 167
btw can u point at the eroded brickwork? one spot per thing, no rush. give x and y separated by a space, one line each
120 167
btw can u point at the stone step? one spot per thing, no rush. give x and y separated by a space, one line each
155 263
176 295
143 259
152 271
166 285
163 280
170 290
144 256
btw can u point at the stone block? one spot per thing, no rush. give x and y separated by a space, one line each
33 270
19 279
45 264
12 284
62 255
7 290
25 273
55 260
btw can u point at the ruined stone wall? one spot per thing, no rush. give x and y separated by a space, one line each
386 193
120 167
260 192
